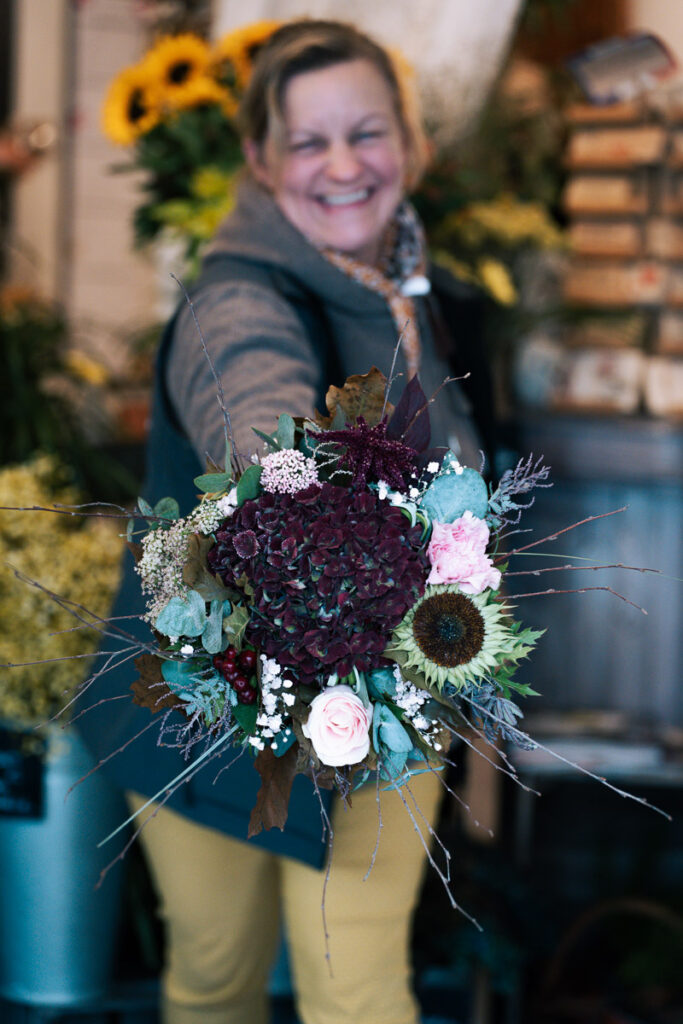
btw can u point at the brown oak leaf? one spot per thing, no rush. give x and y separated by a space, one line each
150 690
135 549
361 395
277 775
196 573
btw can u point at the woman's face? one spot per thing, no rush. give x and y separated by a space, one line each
338 173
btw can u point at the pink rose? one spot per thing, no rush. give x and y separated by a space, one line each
337 726
457 552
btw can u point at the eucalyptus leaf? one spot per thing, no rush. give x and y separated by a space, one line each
452 494
249 486
168 508
381 683
285 431
212 483
391 740
145 507
183 616
271 441
212 634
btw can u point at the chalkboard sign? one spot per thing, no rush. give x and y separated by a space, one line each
21 774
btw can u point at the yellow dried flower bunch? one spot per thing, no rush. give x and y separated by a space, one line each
75 558
505 221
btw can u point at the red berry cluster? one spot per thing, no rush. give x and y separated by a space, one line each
238 670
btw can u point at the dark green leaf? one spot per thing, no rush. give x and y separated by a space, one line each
268 438
245 716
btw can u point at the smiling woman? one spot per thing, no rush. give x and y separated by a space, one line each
314 277
339 172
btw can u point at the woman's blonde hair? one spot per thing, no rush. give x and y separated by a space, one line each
311 45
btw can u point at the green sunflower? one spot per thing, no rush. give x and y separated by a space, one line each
448 636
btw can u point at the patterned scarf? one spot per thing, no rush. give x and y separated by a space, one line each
399 276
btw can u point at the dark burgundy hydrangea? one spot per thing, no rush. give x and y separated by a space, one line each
333 570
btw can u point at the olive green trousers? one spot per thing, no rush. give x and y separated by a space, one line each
222 901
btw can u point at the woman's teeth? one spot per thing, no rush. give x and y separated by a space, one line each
348 198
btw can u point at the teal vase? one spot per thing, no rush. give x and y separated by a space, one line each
58 932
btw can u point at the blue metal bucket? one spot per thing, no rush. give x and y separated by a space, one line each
57 932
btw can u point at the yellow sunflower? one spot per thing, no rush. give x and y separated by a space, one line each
200 92
131 107
233 54
175 64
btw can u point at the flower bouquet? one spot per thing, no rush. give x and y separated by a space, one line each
176 108
334 607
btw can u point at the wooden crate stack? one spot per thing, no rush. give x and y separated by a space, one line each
624 201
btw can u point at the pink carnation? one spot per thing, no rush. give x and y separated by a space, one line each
338 726
457 552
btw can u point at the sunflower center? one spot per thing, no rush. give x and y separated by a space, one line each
449 629
179 72
136 106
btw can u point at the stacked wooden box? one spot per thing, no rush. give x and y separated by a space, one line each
624 200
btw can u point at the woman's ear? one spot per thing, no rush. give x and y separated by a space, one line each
253 154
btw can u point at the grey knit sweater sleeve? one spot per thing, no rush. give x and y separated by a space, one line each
260 349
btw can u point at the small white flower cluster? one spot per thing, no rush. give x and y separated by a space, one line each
161 566
164 553
206 517
288 471
385 493
228 503
410 700
275 699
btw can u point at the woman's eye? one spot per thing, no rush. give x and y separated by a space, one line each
366 135
306 146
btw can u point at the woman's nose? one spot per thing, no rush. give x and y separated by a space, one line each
342 162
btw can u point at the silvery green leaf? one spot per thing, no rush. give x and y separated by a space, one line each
212 634
452 494
388 733
381 683
183 616
285 431
168 508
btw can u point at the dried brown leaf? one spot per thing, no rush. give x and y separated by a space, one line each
136 549
361 395
277 775
150 689
196 574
